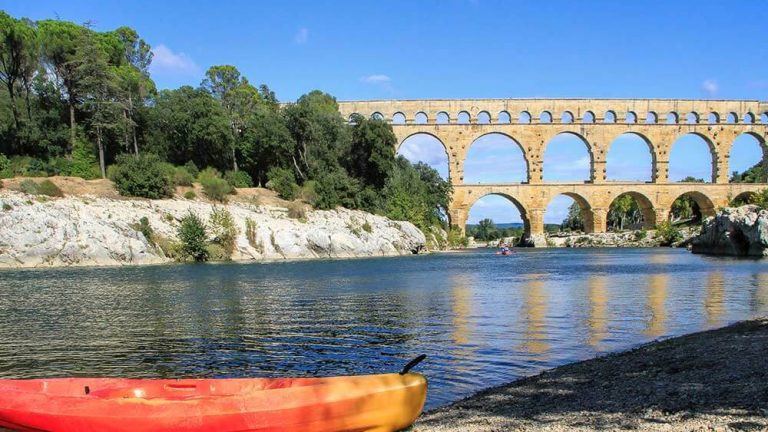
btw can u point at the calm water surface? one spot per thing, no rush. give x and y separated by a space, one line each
482 319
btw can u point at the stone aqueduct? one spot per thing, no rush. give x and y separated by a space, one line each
532 123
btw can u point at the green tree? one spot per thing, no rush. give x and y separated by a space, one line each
624 209
18 62
59 42
238 98
133 79
143 176
486 230
188 124
405 195
267 143
372 151
282 181
758 173
97 85
438 196
194 237
319 135
337 188
574 220
685 207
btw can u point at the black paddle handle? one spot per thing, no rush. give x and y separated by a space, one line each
411 364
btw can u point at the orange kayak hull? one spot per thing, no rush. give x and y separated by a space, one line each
388 402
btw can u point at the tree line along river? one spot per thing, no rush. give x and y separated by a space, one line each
482 319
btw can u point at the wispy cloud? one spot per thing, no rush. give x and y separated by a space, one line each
710 87
165 61
302 36
376 79
380 80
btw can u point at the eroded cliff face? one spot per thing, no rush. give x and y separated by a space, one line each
79 231
738 231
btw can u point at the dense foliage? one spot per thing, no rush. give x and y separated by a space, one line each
141 176
486 230
758 173
193 237
75 101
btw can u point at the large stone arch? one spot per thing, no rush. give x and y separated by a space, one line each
747 197
454 170
706 206
651 148
647 209
590 151
718 163
524 214
474 138
762 141
587 213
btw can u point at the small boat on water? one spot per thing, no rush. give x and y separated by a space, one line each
387 402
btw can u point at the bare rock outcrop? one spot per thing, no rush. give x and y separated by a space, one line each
78 231
737 231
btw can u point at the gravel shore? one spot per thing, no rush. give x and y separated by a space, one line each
710 381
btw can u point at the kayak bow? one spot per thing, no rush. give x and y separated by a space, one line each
387 402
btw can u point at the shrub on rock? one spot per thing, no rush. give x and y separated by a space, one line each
194 238
143 176
47 187
214 186
238 179
282 181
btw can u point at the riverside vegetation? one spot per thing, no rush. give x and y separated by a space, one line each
78 102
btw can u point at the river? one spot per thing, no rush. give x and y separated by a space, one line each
482 319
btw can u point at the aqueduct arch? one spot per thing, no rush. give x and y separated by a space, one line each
520 207
659 122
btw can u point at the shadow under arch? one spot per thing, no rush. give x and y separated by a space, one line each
580 138
400 143
586 209
710 145
648 143
706 206
645 205
526 162
525 239
748 197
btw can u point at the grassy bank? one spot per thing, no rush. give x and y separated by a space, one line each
712 380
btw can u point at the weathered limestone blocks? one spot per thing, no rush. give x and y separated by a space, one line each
739 231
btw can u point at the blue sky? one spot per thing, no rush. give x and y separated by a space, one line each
462 49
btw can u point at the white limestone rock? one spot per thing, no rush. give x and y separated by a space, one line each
738 231
79 231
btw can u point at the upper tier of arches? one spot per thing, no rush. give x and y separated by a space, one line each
587 111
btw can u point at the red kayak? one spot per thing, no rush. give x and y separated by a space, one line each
386 402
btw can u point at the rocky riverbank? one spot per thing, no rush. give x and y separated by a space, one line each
640 238
737 231
713 380
37 231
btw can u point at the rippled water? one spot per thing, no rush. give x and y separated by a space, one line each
482 319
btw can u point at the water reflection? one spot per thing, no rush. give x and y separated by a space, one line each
658 282
534 314
481 320
598 317
759 305
714 305
462 308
